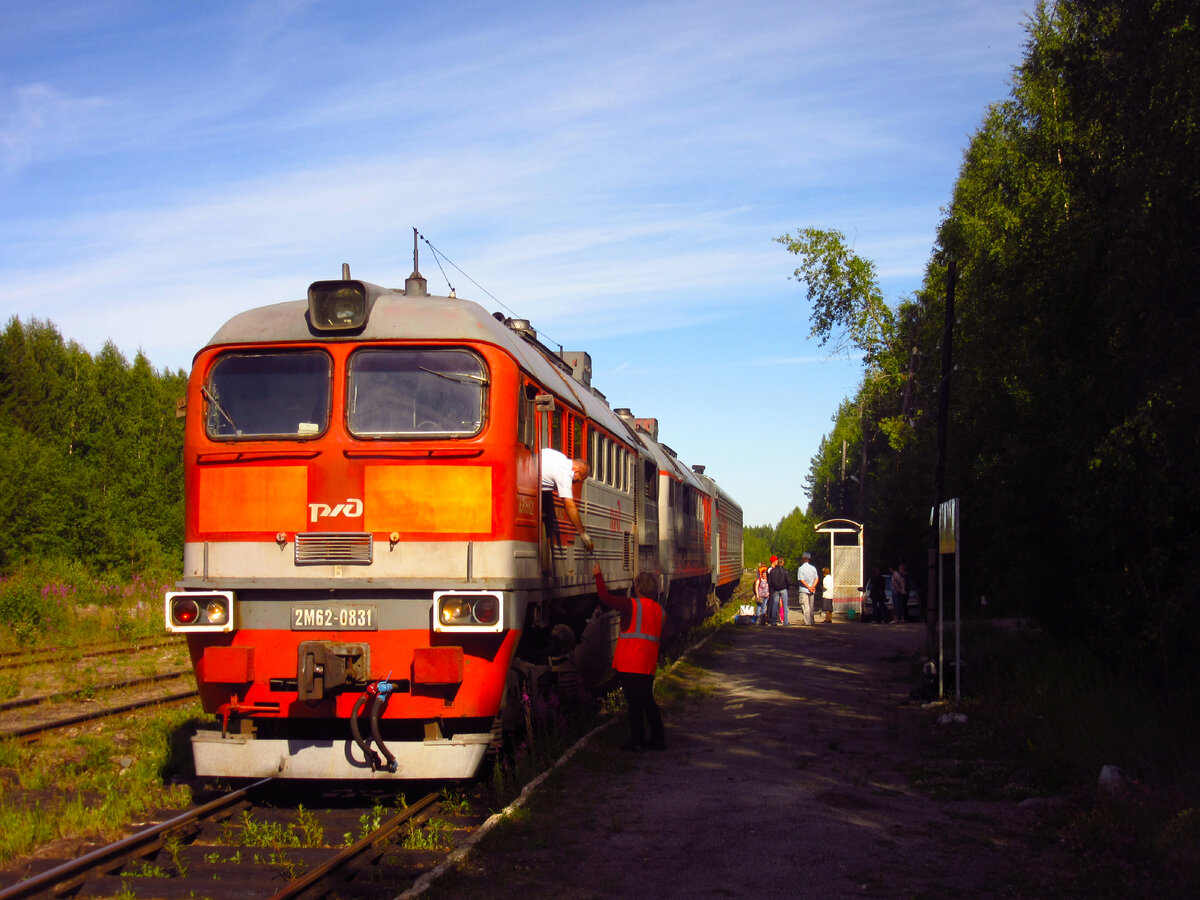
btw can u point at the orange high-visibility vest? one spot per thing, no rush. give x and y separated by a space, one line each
637 647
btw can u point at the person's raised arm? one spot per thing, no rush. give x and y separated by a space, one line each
573 515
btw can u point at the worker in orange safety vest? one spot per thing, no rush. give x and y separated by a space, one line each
636 656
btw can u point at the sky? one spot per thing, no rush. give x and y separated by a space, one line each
615 172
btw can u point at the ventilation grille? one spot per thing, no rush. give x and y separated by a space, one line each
334 549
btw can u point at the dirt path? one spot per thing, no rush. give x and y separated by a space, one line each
789 772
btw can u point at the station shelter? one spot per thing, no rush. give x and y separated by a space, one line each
845 564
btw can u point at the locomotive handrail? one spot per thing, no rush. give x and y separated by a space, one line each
435 453
228 456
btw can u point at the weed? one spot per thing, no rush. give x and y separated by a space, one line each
97 753
290 868
519 816
140 868
311 831
454 804
370 821
249 831
173 845
434 834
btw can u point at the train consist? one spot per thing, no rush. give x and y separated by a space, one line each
373 578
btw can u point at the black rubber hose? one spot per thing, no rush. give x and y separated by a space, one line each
368 754
376 709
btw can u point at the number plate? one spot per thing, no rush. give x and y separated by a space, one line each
334 617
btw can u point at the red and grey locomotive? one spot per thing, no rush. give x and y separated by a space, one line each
371 570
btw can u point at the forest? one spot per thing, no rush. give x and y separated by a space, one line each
1057 401
91 457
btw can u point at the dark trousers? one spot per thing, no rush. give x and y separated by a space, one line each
639 697
879 610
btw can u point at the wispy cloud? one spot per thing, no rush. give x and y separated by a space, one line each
616 173
38 121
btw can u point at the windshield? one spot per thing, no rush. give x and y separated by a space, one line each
254 395
402 392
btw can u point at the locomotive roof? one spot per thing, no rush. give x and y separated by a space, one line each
396 315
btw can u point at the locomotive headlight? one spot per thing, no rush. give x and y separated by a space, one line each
216 611
337 305
454 611
199 611
457 611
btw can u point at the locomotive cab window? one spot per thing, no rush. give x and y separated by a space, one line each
280 394
526 417
408 393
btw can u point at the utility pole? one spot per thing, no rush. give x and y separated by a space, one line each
939 475
934 612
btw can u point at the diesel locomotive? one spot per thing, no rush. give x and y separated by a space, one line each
373 577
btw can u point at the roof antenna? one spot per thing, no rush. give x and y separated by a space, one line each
414 285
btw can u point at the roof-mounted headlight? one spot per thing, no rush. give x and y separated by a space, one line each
337 305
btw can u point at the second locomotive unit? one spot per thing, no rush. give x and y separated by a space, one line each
371 570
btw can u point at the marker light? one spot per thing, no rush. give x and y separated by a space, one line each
199 611
337 305
457 611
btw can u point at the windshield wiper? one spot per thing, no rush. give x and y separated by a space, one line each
208 395
461 377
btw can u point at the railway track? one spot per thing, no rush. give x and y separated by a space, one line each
248 844
76 696
108 686
19 659
34 731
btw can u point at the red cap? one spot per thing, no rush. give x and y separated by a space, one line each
774 559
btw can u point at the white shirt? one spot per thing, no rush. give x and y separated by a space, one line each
557 472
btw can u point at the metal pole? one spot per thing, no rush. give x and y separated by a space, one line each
957 609
939 476
941 622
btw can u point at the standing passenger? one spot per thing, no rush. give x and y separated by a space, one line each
827 594
874 591
636 656
769 615
807 576
783 601
900 593
777 580
762 594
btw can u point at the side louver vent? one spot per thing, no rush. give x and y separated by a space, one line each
322 548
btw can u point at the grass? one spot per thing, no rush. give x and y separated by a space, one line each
62 603
94 783
88 786
1043 720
